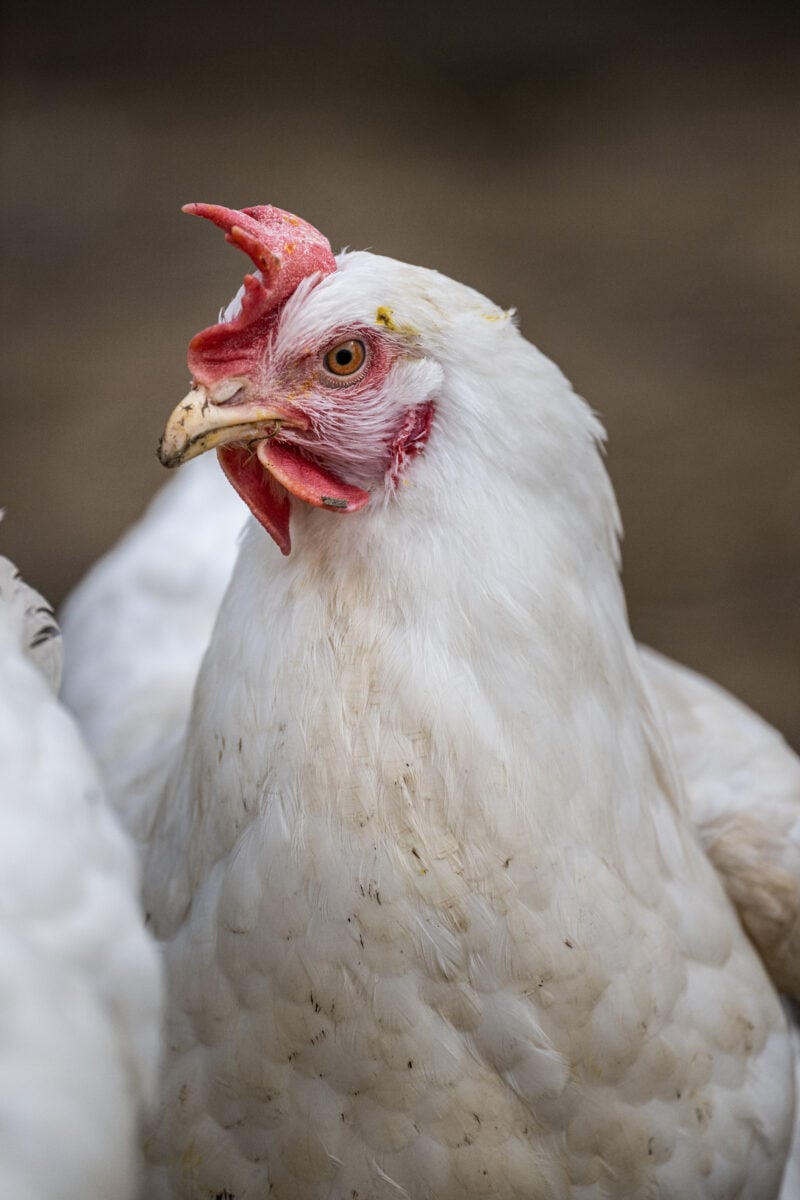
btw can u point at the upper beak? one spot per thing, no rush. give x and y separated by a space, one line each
200 423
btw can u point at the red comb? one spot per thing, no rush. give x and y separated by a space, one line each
286 250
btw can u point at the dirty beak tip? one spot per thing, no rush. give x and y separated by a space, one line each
166 460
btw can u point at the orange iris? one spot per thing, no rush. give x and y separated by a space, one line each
346 358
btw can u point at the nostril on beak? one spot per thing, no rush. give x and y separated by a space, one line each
235 398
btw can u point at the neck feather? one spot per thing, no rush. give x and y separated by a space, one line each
458 659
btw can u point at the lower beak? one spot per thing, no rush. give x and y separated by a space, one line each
199 424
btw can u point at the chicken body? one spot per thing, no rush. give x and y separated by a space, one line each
80 991
435 919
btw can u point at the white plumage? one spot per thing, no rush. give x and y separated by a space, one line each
79 978
435 917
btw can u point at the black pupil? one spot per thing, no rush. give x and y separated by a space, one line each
344 357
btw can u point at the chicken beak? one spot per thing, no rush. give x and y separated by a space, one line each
201 422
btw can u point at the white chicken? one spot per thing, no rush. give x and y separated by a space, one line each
80 985
435 919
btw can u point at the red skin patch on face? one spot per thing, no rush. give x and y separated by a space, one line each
411 439
266 472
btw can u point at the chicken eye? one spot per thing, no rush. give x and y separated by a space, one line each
346 358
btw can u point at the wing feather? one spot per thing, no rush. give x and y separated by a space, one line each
742 783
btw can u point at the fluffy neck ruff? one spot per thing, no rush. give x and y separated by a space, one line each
452 666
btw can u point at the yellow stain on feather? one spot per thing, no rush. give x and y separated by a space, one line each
385 317
190 1159
503 314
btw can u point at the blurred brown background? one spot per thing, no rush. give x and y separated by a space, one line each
629 179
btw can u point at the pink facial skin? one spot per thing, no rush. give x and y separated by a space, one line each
313 463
